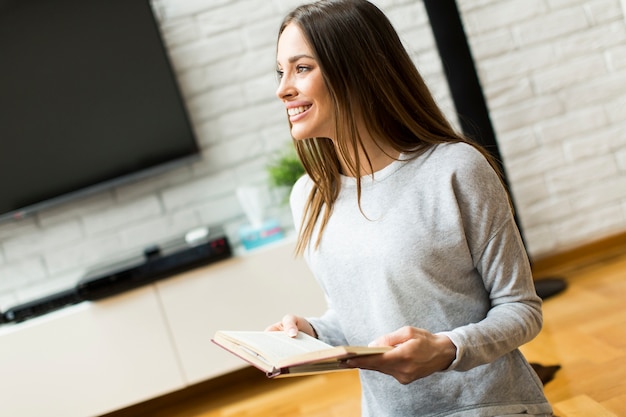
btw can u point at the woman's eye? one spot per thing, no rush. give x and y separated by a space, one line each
297 70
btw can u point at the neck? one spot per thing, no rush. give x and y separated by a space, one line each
379 159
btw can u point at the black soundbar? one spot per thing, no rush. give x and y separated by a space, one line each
155 264
41 306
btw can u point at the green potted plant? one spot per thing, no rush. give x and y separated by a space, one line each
285 169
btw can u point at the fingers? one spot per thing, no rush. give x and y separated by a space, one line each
394 338
396 363
274 327
291 325
417 354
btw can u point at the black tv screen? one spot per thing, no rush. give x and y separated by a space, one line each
88 100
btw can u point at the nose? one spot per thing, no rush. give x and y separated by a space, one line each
285 88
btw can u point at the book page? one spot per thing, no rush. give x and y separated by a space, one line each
277 345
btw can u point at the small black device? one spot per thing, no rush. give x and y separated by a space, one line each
41 306
157 263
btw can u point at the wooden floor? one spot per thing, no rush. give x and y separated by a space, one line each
584 332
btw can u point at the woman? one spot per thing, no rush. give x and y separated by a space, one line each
405 224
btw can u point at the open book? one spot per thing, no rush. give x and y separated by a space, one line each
279 355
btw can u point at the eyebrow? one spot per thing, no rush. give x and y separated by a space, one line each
297 57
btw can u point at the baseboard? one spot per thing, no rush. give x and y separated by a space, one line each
580 256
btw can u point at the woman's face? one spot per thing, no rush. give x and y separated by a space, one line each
302 88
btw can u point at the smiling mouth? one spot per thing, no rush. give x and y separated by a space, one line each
297 110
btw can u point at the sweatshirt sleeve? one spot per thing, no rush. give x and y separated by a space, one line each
328 328
500 258
515 315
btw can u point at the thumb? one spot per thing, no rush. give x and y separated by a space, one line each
290 325
392 339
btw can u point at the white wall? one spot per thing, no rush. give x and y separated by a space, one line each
554 73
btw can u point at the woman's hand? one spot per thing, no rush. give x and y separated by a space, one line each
292 324
417 354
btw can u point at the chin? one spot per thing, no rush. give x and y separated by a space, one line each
299 135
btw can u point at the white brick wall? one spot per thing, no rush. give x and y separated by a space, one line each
556 89
553 71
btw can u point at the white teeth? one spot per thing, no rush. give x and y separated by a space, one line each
297 110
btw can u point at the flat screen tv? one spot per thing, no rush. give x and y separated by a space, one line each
88 101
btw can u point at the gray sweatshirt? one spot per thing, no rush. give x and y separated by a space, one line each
435 247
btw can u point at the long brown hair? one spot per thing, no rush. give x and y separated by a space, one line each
368 73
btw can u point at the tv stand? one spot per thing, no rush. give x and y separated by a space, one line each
96 357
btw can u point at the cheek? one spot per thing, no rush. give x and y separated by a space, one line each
327 107
317 88
324 102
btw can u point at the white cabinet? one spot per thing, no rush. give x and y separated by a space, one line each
88 359
247 292
97 357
